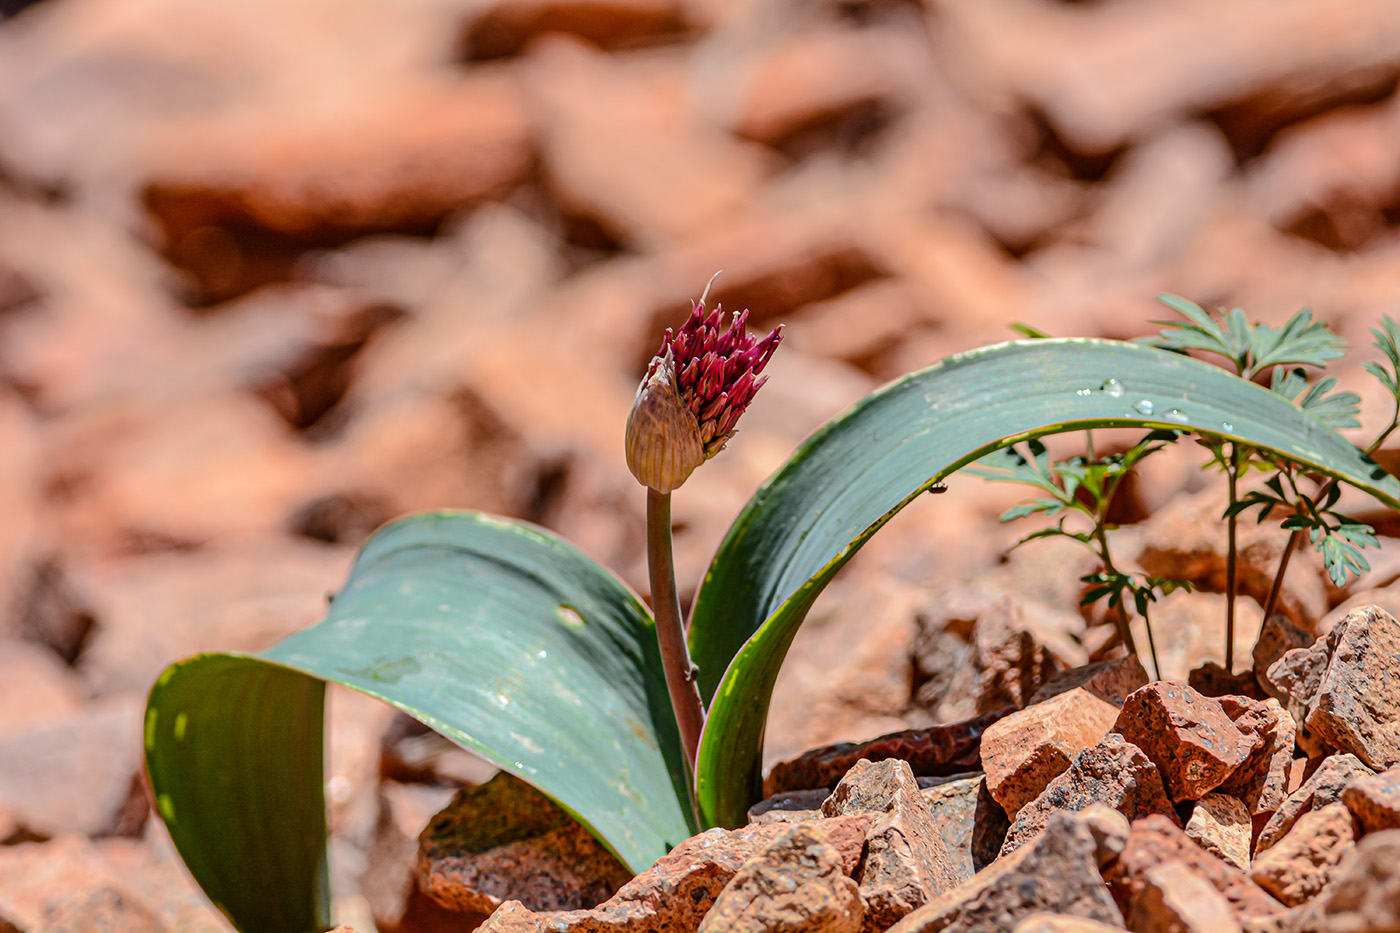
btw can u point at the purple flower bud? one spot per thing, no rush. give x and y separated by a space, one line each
695 389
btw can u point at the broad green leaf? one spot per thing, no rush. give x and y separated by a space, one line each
859 470
503 638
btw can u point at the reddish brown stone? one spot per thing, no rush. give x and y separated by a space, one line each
1113 772
1022 753
1212 680
1299 866
1188 736
1155 840
939 750
1374 800
1277 637
795 883
1110 680
503 840
1221 825
1365 889
971 823
677 891
1058 872
1324 787
1261 781
1174 899
1356 707
906 862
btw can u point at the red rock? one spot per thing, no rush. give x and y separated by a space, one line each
1221 825
795 883
819 77
1344 691
938 750
506 840
1061 923
1110 680
1212 680
1365 889
504 29
677 891
1113 772
1374 800
621 165
1154 840
97 750
971 823
1261 781
1277 637
1057 872
1322 788
1024 751
1188 736
37 685
1299 866
906 863
1009 661
1174 898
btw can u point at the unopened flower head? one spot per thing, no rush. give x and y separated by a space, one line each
695 389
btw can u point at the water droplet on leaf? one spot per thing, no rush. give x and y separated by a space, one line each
1176 414
1113 387
1143 406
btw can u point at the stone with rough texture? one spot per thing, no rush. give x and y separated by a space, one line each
938 750
1221 825
1261 781
1188 736
678 890
1212 680
1110 680
1174 899
1155 840
1058 872
504 839
1113 772
1344 690
1374 799
1277 637
795 883
971 823
1300 864
1324 787
1061 923
1010 659
906 863
1025 751
1364 896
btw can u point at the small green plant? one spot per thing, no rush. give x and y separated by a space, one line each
1086 485
515 645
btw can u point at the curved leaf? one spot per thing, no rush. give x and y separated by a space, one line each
503 638
860 469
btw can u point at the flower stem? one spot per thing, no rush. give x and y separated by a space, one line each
670 631
1231 551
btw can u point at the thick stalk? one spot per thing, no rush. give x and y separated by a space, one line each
670 631
1233 475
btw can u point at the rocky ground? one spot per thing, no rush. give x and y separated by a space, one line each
274 272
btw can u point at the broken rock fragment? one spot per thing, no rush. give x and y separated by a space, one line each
1113 772
1344 690
1187 736
795 885
1174 899
1300 864
1374 799
906 863
1324 787
1221 825
1056 873
1022 753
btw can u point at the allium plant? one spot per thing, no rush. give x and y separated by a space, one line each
517 646
696 387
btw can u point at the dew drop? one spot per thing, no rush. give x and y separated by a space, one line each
1226 426
1113 387
1177 415
1084 392
1143 406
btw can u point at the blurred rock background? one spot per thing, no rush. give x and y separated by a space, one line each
274 272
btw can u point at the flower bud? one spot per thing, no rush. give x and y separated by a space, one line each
663 437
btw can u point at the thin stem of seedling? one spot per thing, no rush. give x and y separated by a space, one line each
670 630
1232 474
